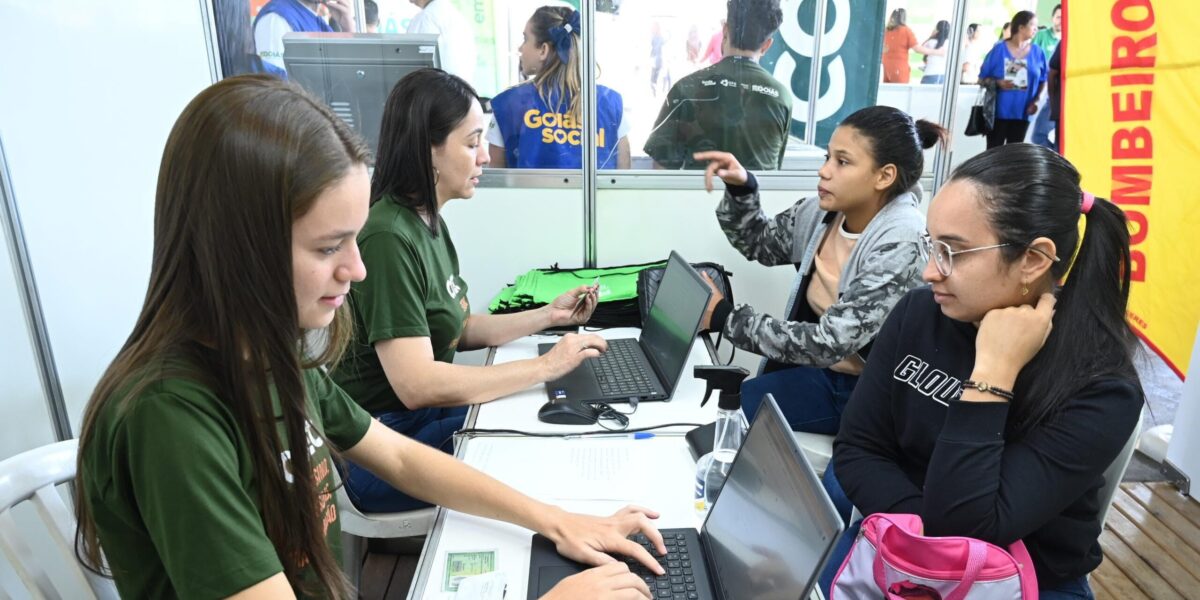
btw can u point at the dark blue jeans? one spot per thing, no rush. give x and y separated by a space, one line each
811 399
1077 589
430 426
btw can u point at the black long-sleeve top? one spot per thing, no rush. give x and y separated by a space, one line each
908 445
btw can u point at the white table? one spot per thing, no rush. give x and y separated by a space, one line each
592 476
519 411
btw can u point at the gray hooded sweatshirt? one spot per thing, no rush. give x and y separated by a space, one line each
883 266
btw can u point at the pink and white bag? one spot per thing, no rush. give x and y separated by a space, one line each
891 559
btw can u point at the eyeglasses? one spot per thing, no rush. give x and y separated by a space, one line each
943 255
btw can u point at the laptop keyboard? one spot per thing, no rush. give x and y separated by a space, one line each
620 372
679 582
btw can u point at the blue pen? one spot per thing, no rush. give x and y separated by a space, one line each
637 435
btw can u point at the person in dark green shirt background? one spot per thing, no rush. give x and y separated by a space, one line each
207 449
734 106
412 314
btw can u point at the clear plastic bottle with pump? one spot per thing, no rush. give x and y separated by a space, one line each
713 468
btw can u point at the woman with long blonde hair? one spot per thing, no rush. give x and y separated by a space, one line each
537 124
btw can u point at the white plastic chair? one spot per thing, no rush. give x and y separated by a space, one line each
1116 471
817 448
358 526
32 476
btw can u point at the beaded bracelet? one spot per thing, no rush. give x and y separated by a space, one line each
988 389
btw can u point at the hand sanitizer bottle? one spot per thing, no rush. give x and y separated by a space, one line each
713 468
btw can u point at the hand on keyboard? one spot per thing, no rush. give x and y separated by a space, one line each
679 580
593 540
569 352
611 581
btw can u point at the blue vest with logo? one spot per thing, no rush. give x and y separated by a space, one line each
537 136
297 16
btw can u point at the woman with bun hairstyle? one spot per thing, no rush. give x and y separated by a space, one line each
855 247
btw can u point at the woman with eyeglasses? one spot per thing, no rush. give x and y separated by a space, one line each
995 398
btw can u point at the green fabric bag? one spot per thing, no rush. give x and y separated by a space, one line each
538 287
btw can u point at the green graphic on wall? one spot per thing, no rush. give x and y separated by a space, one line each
850 46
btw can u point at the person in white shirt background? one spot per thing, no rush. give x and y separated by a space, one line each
975 48
935 59
456 37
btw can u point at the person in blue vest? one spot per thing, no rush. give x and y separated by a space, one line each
280 17
235 38
537 124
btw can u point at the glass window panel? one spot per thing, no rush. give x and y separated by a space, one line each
915 57
538 122
692 82
986 21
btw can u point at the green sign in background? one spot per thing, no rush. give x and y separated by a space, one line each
853 43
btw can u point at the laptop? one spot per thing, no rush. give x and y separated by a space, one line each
768 535
648 367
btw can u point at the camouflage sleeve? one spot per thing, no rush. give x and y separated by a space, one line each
891 270
751 232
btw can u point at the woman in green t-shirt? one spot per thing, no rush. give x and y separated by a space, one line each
412 314
207 449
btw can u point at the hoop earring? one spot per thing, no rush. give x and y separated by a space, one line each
437 176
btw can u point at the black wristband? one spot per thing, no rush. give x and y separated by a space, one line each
720 315
745 189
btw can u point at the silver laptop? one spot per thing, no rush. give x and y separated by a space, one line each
768 535
648 367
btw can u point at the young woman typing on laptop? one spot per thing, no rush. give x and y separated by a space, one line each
411 315
855 247
996 397
207 450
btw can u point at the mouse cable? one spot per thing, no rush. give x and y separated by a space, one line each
581 434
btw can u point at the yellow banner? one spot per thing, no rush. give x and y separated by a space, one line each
1131 104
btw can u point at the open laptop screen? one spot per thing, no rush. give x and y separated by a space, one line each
674 319
772 526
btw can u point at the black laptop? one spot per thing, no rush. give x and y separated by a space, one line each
649 367
767 536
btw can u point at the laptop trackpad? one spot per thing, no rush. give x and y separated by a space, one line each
548 577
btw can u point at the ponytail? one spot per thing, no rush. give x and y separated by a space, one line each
559 77
930 133
1029 192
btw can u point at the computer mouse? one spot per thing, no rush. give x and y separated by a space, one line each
567 412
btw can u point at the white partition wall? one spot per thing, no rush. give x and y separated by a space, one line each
90 91
1183 453
26 422
503 232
